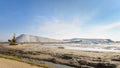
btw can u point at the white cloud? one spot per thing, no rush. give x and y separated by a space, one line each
104 31
102 28
5 37
61 29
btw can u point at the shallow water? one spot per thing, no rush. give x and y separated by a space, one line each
49 63
56 65
104 48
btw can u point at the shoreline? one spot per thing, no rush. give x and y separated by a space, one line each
20 60
75 58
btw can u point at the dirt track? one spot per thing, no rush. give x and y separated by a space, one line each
7 63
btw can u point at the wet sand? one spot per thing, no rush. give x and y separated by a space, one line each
7 63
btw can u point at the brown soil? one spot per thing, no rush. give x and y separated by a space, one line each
7 63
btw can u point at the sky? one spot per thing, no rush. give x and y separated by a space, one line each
60 19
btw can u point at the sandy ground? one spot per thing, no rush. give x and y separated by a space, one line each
71 57
7 63
65 51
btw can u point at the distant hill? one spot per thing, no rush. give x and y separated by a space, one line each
89 41
32 38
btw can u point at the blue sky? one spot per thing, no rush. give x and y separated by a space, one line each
60 19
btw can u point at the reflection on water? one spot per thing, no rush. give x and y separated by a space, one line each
56 65
49 63
109 48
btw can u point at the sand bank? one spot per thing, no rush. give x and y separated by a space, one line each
7 63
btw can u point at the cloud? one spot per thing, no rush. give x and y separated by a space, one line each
104 31
61 26
60 29
5 37
104 28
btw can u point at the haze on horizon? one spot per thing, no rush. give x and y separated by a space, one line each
60 19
